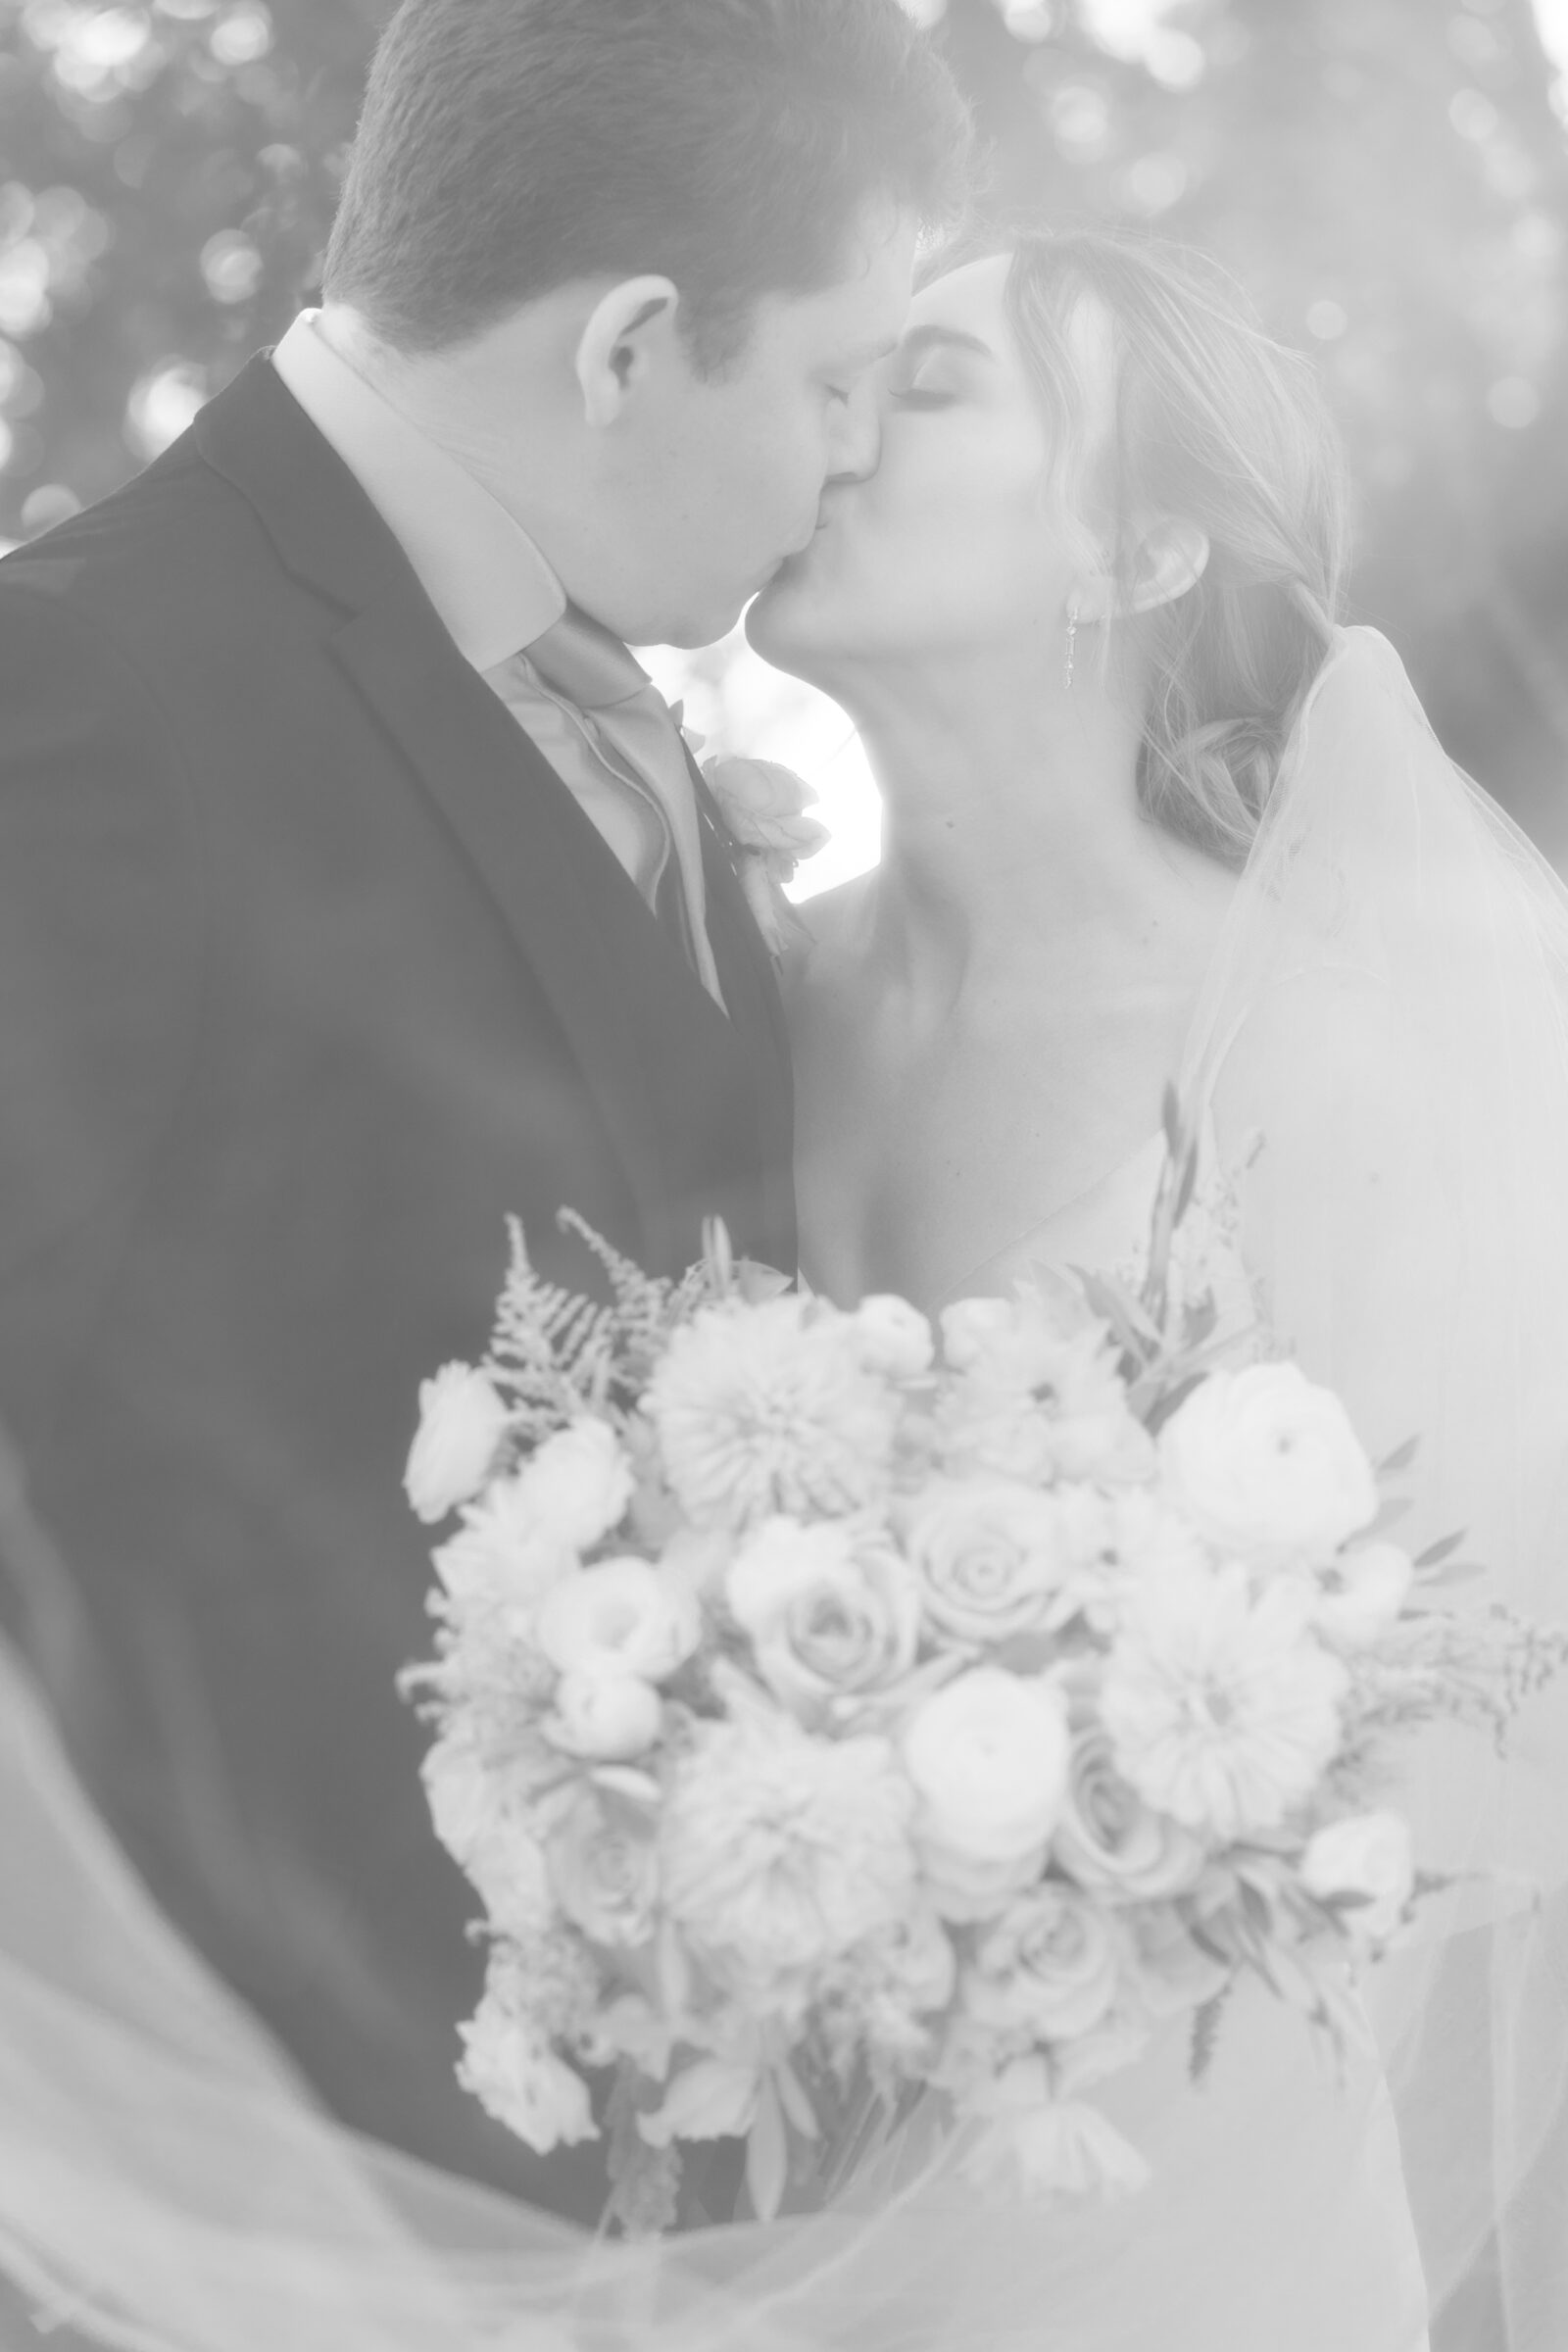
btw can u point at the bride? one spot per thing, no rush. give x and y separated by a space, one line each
1151 812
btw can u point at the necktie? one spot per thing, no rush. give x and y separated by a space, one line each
593 672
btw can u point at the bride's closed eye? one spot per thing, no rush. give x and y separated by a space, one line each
934 360
921 395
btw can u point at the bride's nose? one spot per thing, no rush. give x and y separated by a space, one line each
858 444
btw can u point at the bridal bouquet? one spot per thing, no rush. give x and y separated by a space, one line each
829 1710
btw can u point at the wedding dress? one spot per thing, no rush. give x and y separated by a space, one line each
1387 1010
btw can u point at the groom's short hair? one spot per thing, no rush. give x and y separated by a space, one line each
510 146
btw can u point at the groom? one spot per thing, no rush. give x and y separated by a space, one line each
356 891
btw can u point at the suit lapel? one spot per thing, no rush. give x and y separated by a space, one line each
654 1050
514 819
504 805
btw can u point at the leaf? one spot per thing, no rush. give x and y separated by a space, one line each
1206 2033
1457 1572
1170 1118
1392 1509
1440 1550
1199 1320
797 2106
1161 1411
1186 1187
767 2155
1400 1458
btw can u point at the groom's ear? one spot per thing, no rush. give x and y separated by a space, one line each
1172 558
630 333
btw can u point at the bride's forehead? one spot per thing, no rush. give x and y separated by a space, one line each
971 295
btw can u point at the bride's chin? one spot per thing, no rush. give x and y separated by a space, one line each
783 638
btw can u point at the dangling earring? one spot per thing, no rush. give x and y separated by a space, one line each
1072 639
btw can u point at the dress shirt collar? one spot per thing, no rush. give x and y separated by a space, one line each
488 581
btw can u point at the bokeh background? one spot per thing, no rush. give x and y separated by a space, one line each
1389 176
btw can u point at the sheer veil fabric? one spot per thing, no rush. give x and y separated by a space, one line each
1383 1040
1389 1012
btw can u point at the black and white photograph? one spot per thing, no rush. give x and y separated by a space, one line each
784 1175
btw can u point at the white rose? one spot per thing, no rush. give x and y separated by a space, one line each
1363 1592
901 1978
989 1553
515 2076
1367 1856
1108 1839
893 1336
604 1716
1267 1465
462 1422
575 1487
1049 1965
988 1759
604 1868
829 1612
765 807
621 1617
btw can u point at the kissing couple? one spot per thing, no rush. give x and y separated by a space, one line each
358 891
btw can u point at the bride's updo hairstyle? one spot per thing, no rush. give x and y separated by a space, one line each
1211 423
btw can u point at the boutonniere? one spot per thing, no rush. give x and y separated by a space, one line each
764 808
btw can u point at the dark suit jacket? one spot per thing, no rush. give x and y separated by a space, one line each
311 972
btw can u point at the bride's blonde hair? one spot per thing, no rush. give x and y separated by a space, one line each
1215 424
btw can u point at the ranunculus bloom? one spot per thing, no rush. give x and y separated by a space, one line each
604 1868
1049 1965
514 2075
830 1611
1364 1592
989 1553
1367 1855
1109 1840
893 1336
1222 1708
770 1409
623 1616
461 1423
576 1486
781 1850
1267 1466
988 1757
603 1715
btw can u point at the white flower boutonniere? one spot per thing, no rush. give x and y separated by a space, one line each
764 808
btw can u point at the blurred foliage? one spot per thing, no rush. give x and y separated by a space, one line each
1389 176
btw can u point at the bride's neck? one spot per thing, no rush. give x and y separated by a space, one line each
1012 828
